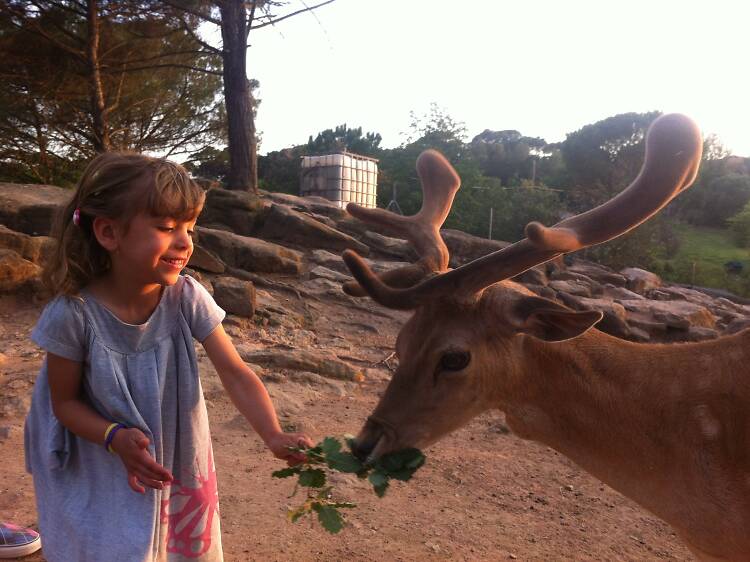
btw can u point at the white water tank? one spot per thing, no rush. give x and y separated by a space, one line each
342 178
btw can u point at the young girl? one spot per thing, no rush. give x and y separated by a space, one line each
117 437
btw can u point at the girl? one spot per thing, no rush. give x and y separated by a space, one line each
118 406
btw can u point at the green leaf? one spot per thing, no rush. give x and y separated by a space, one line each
312 478
379 482
344 462
330 446
330 518
286 472
346 505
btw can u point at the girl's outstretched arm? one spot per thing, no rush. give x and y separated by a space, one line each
64 377
250 397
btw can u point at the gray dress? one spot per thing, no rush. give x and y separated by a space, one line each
144 376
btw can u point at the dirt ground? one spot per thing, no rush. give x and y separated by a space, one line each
483 494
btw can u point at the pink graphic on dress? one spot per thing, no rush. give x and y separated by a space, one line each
189 513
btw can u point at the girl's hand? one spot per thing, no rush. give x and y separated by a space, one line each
132 447
281 443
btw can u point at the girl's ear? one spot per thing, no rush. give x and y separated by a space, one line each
107 233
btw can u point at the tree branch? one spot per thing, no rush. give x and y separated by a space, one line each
196 13
287 16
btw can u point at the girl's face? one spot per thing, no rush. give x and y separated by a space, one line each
154 249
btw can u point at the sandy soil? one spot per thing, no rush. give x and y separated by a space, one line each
483 494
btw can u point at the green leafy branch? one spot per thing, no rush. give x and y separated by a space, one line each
327 457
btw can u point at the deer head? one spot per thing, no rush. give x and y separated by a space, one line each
463 351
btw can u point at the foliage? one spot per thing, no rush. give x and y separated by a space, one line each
342 138
701 260
602 158
154 95
507 155
715 197
327 457
739 226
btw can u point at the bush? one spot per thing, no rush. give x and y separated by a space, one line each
739 226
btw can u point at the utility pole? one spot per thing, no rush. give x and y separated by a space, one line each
489 234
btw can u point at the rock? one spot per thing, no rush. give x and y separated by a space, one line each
314 205
579 279
31 209
571 287
395 247
239 211
205 260
464 247
321 362
285 224
697 333
36 249
235 296
599 273
325 273
329 260
674 314
640 280
251 254
16 272
534 276
617 293
614 321
737 325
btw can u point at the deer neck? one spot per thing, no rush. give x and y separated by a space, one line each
634 415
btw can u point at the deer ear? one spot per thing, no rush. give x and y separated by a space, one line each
549 321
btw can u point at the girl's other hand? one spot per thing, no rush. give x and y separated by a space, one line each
132 447
281 443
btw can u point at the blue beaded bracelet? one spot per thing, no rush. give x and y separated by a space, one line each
111 436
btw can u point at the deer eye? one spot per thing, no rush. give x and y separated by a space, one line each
454 360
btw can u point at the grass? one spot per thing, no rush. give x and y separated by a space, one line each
701 257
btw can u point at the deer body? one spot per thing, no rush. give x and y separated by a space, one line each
677 433
666 425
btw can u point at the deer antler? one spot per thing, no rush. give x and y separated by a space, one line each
439 185
673 152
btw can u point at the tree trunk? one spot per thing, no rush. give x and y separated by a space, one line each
98 107
243 168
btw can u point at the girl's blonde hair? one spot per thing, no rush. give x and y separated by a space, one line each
115 185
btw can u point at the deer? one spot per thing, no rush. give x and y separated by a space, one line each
667 425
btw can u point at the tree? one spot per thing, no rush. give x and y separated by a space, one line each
507 155
343 138
604 157
74 80
236 19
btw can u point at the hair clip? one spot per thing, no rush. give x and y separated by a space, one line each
77 217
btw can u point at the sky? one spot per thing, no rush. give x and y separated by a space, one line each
544 68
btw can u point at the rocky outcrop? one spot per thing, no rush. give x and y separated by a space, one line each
235 296
30 209
15 272
251 254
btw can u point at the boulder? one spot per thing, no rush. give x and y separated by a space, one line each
640 280
614 321
237 210
31 209
235 296
36 249
571 287
618 293
250 254
674 314
206 261
284 224
395 247
464 247
313 205
322 362
599 273
16 272
325 273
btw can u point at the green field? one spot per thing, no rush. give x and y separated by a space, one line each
701 257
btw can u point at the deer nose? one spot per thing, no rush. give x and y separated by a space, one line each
362 449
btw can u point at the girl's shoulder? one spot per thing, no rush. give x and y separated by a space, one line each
198 307
61 328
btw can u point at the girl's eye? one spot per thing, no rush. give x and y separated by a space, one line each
166 228
455 360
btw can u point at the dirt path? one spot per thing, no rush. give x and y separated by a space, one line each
484 494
